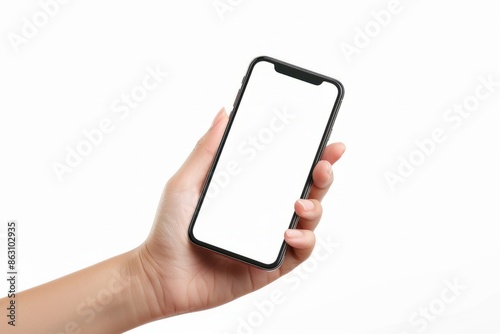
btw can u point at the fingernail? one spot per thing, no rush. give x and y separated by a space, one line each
330 170
218 118
306 205
294 233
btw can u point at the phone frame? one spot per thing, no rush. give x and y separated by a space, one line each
299 74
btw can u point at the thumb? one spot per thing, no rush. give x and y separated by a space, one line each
193 172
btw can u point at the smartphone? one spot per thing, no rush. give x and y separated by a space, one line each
280 123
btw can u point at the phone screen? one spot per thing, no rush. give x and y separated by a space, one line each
275 135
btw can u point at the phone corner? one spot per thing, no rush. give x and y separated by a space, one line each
340 88
277 263
191 236
262 58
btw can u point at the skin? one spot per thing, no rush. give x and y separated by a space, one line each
166 275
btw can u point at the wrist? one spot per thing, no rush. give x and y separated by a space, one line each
141 294
146 290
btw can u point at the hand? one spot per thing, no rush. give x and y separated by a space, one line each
181 277
166 275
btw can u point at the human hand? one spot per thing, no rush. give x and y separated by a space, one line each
179 277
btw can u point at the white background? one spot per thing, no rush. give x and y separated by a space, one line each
395 248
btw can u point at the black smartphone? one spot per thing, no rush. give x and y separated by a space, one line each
280 123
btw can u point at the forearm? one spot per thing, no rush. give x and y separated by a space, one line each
109 297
